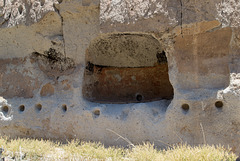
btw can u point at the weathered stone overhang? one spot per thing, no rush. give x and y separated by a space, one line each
163 71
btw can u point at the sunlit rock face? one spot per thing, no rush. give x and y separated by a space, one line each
163 71
27 12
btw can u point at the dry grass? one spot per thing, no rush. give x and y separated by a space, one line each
30 149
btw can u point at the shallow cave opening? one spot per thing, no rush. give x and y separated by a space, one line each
126 68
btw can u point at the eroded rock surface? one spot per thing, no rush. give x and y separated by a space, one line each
27 12
124 50
53 63
125 85
54 54
206 49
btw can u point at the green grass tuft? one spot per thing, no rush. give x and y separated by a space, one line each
32 149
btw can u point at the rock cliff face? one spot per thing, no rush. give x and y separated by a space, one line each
150 70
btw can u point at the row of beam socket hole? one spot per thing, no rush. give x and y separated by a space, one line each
218 105
38 108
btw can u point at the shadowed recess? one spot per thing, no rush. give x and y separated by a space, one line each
126 68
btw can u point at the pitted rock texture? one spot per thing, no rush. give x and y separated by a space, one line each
5 114
124 50
203 69
53 63
132 10
229 13
27 12
145 15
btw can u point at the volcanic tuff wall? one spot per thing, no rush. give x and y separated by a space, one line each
150 70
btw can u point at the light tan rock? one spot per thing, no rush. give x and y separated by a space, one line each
24 40
124 50
84 21
203 68
203 54
47 90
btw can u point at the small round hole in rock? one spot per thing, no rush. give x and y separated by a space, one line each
42 2
5 109
21 108
139 98
38 107
20 9
64 108
219 104
161 57
185 107
96 112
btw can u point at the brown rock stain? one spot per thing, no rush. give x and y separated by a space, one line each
47 90
121 85
14 82
200 51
